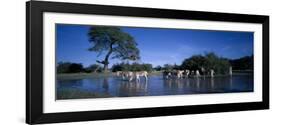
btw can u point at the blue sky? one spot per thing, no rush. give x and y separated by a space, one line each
157 46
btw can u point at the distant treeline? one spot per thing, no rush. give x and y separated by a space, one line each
211 61
244 63
68 67
132 67
207 61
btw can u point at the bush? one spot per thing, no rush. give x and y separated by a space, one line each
132 67
158 68
168 67
208 61
244 63
93 68
67 67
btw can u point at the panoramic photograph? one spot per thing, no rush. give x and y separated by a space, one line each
94 61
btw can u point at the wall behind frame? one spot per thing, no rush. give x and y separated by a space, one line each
12 64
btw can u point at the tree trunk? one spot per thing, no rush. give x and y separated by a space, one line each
105 65
105 62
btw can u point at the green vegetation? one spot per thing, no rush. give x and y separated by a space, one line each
64 76
78 94
112 41
169 67
158 68
67 67
93 68
244 63
132 67
208 61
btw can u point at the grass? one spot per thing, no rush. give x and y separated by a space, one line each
83 75
155 73
78 94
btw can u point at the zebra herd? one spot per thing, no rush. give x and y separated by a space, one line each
185 73
130 75
190 73
168 74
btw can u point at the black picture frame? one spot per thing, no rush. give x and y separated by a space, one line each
34 62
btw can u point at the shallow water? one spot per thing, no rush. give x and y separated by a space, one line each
156 86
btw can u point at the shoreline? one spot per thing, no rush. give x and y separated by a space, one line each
73 76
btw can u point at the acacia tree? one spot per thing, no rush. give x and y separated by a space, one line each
113 43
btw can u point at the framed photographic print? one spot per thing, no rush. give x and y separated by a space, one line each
95 62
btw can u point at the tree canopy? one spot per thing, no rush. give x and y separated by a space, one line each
208 61
114 43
